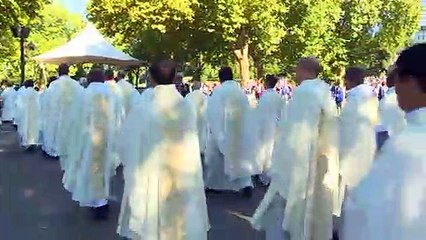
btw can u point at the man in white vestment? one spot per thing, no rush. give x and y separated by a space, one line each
120 111
129 94
164 192
389 204
304 185
359 117
94 165
9 97
199 101
58 99
30 116
392 119
230 160
269 111
18 106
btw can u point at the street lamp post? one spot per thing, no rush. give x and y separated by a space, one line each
22 33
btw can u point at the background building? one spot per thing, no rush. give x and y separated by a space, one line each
420 36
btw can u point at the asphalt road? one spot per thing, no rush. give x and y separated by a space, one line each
35 206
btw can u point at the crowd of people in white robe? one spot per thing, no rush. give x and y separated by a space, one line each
327 177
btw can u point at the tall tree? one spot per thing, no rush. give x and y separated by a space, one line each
248 28
149 29
15 12
53 27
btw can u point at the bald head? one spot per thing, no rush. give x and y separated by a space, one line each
163 72
308 68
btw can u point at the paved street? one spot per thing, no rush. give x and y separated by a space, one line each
34 205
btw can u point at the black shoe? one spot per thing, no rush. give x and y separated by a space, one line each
335 235
101 213
247 192
212 191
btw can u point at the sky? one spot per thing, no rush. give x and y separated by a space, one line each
79 6
76 6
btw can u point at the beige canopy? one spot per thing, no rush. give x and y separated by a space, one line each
88 47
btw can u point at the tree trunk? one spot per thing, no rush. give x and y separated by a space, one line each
243 63
259 70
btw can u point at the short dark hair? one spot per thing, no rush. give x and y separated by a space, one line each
63 69
225 73
109 74
163 72
312 64
411 62
96 75
271 80
29 83
355 74
391 77
121 74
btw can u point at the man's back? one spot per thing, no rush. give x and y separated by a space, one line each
229 118
357 134
199 101
163 169
306 162
389 202
270 110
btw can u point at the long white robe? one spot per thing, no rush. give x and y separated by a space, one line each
94 164
391 115
357 147
59 98
164 193
305 165
18 107
120 113
30 122
146 95
129 94
389 204
270 109
199 101
230 155
9 97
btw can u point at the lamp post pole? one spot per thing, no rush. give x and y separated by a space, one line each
22 33
21 42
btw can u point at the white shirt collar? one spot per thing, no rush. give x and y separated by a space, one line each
416 116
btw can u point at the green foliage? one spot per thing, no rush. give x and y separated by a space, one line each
15 12
202 35
53 27
205 33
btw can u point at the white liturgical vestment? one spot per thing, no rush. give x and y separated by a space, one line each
199 101
18 106
305 165
389 203
357 147
119 114
391 115
129 95
94 163
58 99
270 109
9 97
30 118
164 192
230 155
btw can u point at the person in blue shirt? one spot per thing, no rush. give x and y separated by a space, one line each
339 96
